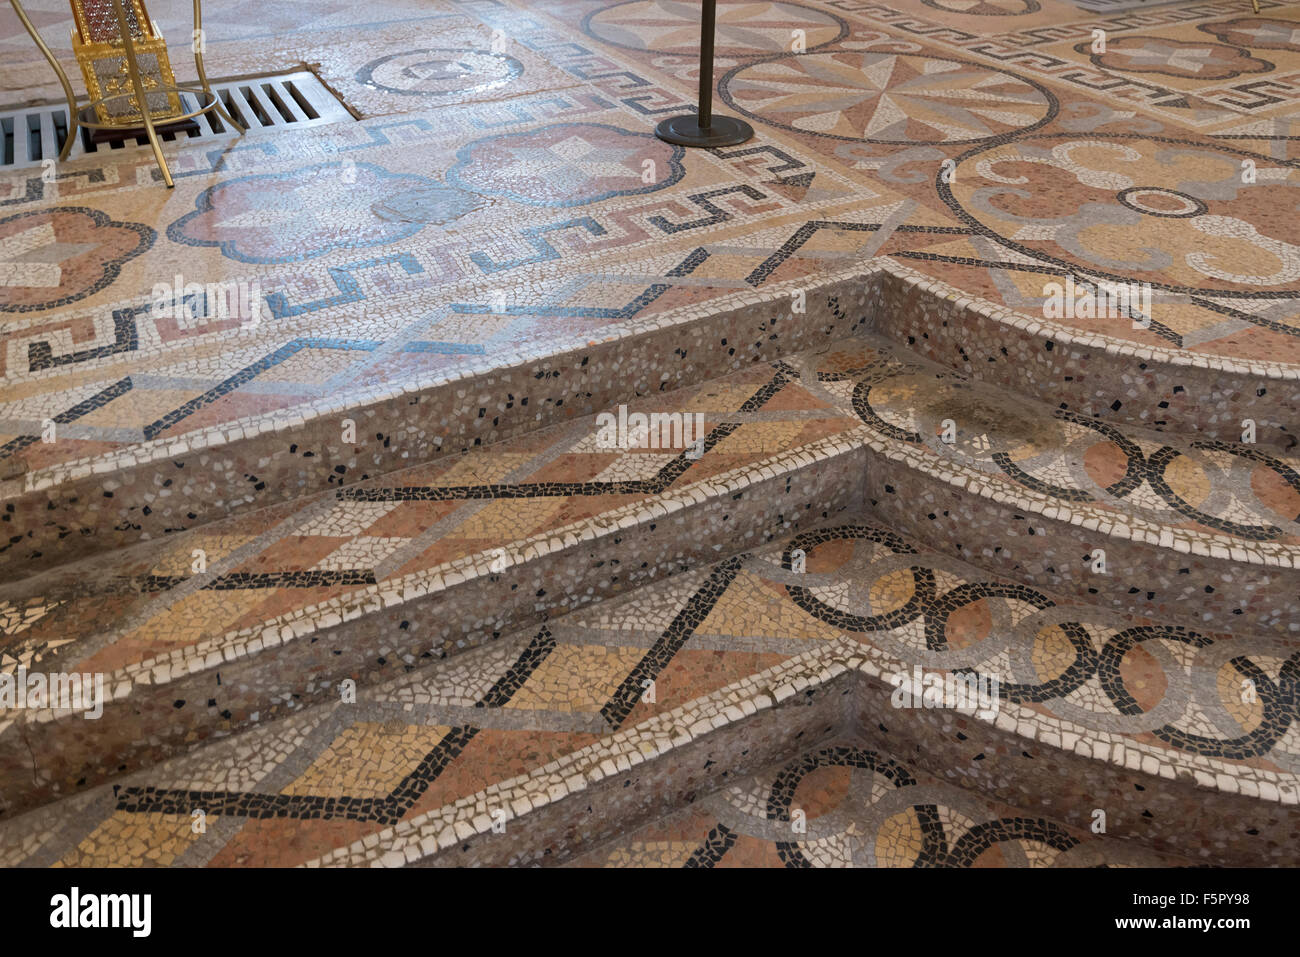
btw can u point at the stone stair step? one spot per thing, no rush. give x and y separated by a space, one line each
60 502
1195 531
1170 387
549 743
370 580
842 804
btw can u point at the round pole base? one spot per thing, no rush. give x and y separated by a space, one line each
685 131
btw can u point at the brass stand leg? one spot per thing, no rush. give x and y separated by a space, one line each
142 101
1253 3
73 123
198 64
137 84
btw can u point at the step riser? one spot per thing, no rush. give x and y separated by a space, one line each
73 518
637 771
1191 822
582 821
995 536
1209 827
1087 379
147 727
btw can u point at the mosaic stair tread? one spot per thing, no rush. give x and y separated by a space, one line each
434 759
150 621
1195 530
409 532
843 804
440 545
1229 500
392 535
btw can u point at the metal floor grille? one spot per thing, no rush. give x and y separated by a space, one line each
298 99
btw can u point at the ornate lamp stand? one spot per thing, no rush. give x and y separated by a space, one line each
207 99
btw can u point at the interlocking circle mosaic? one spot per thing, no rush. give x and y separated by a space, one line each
887 98
1077 664
440 72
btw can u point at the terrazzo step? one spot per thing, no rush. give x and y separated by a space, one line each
250 619
552 742
365 581
1167 385
294 790
68 499
74 497
1130 728
1191 531
842 804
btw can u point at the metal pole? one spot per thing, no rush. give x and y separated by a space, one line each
703 128
198 41
708 25
142 99
63 79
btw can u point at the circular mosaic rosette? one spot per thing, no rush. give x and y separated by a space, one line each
440 72
744 28
887 98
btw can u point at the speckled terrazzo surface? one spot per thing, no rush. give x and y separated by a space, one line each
536 723
391 479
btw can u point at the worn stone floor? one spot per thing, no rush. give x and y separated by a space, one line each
385 465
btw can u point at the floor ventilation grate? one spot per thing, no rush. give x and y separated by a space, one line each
298 99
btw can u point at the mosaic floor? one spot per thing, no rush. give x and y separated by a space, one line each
383 465
545 214
859 809
543 715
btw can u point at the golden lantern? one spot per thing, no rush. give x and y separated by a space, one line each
123 58
98 45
